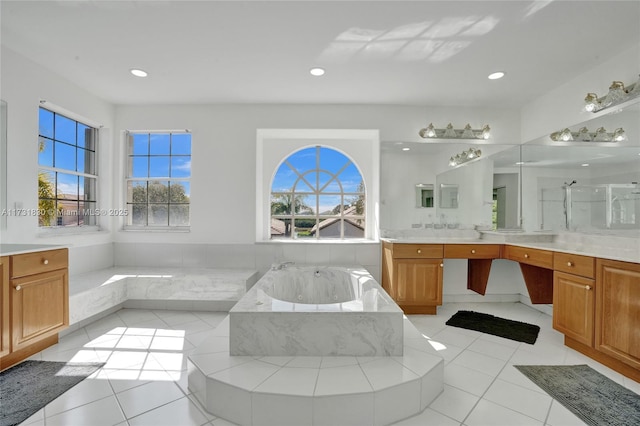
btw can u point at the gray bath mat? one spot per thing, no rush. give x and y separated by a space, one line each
596 399
30 385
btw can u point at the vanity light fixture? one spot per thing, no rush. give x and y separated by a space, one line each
617 94
465 156
584 135
450 133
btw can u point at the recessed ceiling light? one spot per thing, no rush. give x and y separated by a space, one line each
138 72
317 71
496 75
585 164
519 163
406 149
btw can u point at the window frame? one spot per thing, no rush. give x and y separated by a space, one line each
317 192
362 146
128 137
95 176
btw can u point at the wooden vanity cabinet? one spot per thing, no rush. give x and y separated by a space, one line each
480 257
574 296
412 275
537 270
617 313
4 304
39 302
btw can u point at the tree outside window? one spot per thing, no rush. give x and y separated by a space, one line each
316 193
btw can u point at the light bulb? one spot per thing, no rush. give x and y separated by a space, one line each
584 135
602 135
619 135
467 133
616 94
591 102
565 135
428 132
450 132
486 132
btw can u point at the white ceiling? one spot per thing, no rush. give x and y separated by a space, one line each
381 52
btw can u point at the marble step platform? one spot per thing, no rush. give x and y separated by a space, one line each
99 291
315 390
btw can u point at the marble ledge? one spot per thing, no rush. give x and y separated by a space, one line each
13 249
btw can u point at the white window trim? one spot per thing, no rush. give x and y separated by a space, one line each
53 230
127 178
274 145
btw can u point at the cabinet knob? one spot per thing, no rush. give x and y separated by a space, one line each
526 256
473 251
45 261
587 287
419 251
441 265
18 287
569 264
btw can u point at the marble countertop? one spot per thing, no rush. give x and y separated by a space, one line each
11 249
625 250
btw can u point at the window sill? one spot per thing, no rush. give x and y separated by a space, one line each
55 231
167 229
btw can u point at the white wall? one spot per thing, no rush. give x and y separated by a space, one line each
24 84
563 106
224 150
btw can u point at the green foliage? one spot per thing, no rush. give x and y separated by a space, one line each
46 201
160 203
286 204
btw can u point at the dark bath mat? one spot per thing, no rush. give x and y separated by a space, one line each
485 323
27 387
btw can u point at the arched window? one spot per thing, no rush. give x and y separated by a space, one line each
317 193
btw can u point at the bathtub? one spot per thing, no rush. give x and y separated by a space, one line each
305 310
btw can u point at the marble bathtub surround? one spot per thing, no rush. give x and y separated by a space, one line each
316 311
99 291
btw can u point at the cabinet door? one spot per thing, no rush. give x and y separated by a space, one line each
40 306
418 282
573 306
618 311
4 306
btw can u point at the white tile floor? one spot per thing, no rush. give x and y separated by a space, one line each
144 380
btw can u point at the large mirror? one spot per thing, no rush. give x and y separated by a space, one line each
581 186
448 196
3 163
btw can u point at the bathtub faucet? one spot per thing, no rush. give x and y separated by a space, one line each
280 266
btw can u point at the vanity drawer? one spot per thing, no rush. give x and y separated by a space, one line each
472 251
37 262
417 251
535 257
574 264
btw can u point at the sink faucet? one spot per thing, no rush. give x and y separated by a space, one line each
280 266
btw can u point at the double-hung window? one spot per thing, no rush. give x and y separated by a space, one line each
67 176
158 179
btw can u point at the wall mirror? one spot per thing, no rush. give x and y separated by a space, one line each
3 163
448 196
582 186
425 196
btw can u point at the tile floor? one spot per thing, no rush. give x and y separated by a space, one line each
144 380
